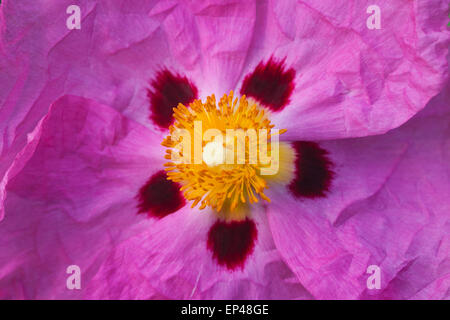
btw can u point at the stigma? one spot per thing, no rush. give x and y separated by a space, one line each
213 154
222 155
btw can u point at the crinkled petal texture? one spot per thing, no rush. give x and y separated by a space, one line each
388 206
74 198
351 80
72 170
73 201
114 57
385 206
173 257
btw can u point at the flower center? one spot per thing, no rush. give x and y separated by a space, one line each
222 155
214 153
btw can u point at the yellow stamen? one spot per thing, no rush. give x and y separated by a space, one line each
212 181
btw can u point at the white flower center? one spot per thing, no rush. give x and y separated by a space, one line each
213 153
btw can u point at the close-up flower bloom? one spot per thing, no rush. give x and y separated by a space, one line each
358 128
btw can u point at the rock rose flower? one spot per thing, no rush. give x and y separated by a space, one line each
88 120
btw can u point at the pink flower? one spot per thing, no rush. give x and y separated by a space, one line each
84 113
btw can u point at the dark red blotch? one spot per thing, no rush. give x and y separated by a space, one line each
313 173
167 91
159 196
232 242
270 84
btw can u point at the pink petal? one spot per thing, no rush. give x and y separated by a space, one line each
405 226
226 28
113 57
172 255
73 197
42 60
308 243
352 81
360 168
389 209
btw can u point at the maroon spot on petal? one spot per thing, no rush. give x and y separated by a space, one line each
232 242
270 84
313 174
159 196
167 91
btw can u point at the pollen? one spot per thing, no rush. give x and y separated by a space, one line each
222 154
